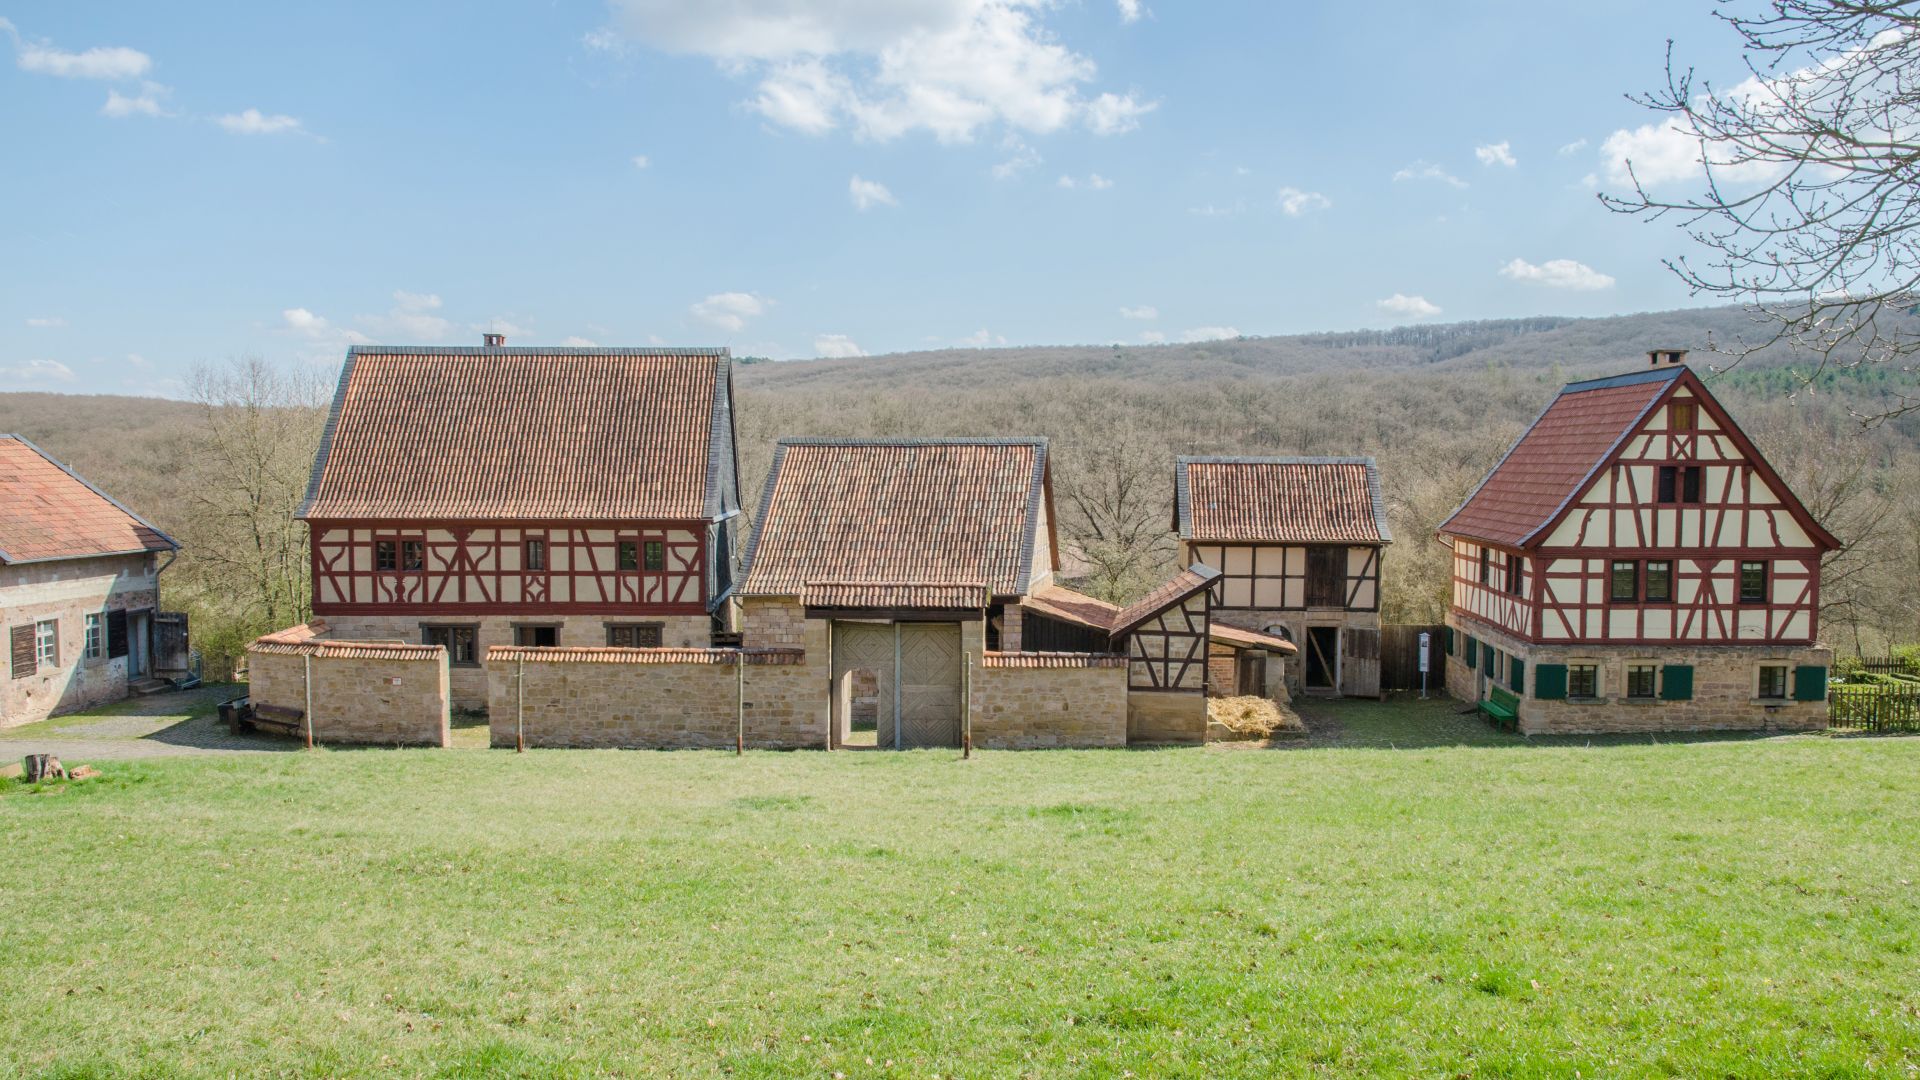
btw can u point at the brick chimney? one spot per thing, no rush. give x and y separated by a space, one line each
1661 358
493 341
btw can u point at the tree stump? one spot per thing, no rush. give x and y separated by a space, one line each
38 767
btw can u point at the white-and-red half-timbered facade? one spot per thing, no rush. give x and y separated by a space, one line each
1633 563
470 497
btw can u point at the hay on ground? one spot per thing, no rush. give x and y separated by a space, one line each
1250 717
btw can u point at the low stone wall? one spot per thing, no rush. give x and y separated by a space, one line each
1166 716
363 692
1725 679
654 698
1032 700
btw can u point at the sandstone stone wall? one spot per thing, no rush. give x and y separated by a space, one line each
66 591
1030 700
654 698
1296 623
1725 682
469 681
1161 716
363 692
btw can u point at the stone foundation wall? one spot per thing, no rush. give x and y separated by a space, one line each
469 681
67 591
653 698
363 693
1031 700
1724 686
1160 716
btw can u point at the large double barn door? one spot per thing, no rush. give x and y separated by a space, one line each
916 673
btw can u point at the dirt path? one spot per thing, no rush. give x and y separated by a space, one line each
162 725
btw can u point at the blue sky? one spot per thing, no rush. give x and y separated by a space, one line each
809 177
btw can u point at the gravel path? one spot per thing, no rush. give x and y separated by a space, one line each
161 725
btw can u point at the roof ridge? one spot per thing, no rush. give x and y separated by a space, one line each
1628 378
956 440
519 351
1281 459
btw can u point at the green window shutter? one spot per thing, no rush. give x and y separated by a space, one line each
1517 670
1447 632
1809 684
1472 652
1550 682
1676 682
1486 656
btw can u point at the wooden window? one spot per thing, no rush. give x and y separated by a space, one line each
1326 577
1583 680
1517 675
1773 681
1678 484
20 646
1681 415
655 552
629 555
116 634
1516 573
96 644
536 555
634 635
1690 484
1668 489
386 555
46 643
1626 581
461 643
1753 582
1659 581
1486 566
536 637
1641 679
413 556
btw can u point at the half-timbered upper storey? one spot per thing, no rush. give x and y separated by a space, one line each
1634 510
1286 533
525 481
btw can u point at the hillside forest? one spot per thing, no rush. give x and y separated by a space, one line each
224 471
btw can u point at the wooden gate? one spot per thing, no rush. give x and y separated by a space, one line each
1360 662
917 669
1400 657
170 641
867 646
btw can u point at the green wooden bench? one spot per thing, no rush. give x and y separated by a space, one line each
1503 708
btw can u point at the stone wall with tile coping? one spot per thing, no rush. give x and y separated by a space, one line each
1033 700
363 692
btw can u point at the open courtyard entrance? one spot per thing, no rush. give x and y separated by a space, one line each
896 685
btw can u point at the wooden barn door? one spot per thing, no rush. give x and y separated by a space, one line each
1323 657
929 684
1360 662
863 646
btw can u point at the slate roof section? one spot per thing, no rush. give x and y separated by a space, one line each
910 512
48 512
520 434
1556 457
1284 500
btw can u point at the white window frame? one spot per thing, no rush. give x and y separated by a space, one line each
95 643
46 643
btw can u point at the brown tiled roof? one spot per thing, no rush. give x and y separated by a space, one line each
518 434
1177 589
1052 660
961 512
48 512
1553 460
308 639
1292 500
598 655
881 594
1066 605
1251 639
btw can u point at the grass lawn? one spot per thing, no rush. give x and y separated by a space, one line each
1491 908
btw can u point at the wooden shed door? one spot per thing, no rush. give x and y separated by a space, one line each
869 646
929 684
1360 662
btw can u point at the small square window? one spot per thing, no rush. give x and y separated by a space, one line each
413 555
461 643
637 636
1753 582
536 558
1659 581
656 552
536 637
96 648
1626 582
629 555
1583 681
1641 679
386 555
1773 681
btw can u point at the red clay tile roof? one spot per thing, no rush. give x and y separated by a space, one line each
1250 639
1554 459
48 512
961 512
1066 605
309 639
598 655
1052 660
883 594
1177 589
518 434
1290 500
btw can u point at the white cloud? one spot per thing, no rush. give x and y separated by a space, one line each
884 69
254 122
100 62
729 311
1130 10
47 322
1573 147
1413 307
36 371
640 161
1211 210
1295 202
574 341
136 360
411 318
303 321
1558 274
982 339
1144 311
836 347
1659 152
1500 153
867 194
1424 170
328 338
1093 182
499 325
1209 333
1667 150
1152 337
1024 157
146 103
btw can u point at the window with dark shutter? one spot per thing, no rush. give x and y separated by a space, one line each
116 634
1690 484
20 641
635 636
1326 577
1668 476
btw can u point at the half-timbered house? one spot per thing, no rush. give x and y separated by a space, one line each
79 591
1299 543
470 497
1633 563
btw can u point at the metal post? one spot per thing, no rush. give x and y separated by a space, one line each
519 706
740 704
896 686
307 659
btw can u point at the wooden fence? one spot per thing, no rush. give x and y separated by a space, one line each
1859 707
1400 657
1889 665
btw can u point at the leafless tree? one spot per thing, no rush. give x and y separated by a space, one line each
1115 492
1811 193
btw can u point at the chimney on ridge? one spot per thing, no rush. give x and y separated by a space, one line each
1661 358
493 341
